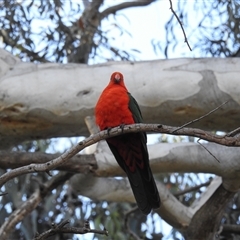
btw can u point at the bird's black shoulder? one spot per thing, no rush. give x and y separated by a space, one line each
135 110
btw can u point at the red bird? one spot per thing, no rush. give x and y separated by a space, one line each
116 107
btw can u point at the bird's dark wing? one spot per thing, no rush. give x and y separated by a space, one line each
137 115
130 151
135 110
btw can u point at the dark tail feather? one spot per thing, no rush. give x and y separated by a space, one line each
145 191
126 149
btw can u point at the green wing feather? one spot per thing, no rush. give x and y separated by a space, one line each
134 108
137 114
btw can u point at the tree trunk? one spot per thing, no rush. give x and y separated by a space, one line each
205 223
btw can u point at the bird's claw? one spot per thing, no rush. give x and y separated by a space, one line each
108 130
122 126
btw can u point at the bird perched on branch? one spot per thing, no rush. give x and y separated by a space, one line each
117 107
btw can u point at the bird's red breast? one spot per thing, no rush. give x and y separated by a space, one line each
112 107
116 106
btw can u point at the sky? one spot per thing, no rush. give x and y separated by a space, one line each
147 24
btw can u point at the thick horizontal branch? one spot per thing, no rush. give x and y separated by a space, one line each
45 115
164 158
81 163
33 115
231 228
53 164
119 190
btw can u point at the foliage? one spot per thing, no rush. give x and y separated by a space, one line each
52 31
214 34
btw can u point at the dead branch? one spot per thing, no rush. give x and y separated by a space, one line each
234 132
140 127
60 228
174 13
198 119
198 141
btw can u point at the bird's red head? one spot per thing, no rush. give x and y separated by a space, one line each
117 78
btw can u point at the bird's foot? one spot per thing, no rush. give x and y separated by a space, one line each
122 126
108 130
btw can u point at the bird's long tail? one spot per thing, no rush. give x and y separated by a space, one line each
144 190
131 154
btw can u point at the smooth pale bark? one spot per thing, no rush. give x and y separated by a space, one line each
119 190
181 157
52 100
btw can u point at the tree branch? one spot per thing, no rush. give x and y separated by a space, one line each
198 119
32 202
90 21
81 163
119 190
121 6
231 228
60 228
234 132
191 189
141 127
198 141
174 13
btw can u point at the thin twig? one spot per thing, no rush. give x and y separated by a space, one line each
207 150
185 37
60 228
198 119
219 231
191 189
3 193
234 132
